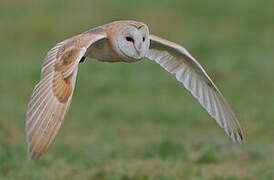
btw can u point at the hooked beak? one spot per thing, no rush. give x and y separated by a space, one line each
138 47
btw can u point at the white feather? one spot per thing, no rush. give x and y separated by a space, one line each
176 60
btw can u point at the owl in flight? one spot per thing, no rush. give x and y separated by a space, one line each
119 41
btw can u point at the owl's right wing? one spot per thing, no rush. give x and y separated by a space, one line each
178 61
51 97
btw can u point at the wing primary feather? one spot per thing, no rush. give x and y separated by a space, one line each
35 119
35 100
42 132
37 109
46 80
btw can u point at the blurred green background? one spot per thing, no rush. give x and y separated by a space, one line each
134 121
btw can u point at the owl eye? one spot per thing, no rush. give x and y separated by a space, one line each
130 39
144 39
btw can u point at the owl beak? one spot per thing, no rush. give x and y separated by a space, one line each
138 43
138 47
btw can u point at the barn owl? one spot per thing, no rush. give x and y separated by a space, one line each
119 41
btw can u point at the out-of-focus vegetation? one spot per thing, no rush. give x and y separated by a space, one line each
134 121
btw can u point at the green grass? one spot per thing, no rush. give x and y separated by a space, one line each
134 121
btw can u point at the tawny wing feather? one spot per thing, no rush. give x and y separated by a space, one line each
177 60
51 97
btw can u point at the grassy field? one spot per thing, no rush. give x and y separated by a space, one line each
134 121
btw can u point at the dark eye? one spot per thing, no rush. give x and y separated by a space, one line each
144 39
130 39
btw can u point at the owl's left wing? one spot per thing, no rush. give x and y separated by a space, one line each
178 61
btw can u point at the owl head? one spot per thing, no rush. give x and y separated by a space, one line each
131 41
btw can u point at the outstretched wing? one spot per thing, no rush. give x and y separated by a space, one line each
177 60
51 97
